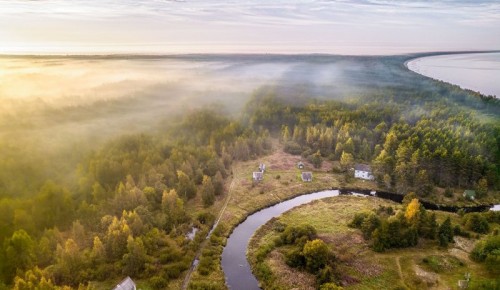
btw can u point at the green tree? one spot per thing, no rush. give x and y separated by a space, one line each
445 233
369 224
135 258
316 159
218 182
477 222
34 279
70 263
173 207
346 161
482 188
19 254
387 181
185 187
207 191
316 254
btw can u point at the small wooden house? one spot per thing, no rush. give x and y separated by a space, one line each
257 176
307 176
300 165
363 171
126 284
470 194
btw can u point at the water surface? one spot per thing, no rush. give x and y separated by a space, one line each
234 261
479 72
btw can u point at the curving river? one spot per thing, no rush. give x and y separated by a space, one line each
234 261
474 71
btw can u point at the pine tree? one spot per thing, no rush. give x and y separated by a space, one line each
445 233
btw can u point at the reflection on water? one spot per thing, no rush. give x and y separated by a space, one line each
475 71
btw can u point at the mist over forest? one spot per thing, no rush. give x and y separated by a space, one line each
114 148
56 109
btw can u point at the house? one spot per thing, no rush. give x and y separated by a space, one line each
258 176
307 176
300 165
470 194
126 284
262 167
363 171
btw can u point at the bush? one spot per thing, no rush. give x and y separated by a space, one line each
297 235
358 220
326 275
477 223
206 265
316 254
205 218
488 252
294 258
158 282
457 231
293 148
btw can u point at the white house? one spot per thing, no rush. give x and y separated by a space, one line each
363 171
126 284
257 176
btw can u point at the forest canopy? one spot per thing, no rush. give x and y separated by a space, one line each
78 213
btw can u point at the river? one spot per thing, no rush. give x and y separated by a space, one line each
479 72
234 261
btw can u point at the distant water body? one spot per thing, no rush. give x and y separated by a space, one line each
479 72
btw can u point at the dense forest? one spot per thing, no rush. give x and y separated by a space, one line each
410 148
127 214
126 206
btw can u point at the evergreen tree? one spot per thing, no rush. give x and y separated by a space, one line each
445 233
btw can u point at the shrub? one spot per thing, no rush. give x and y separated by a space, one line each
358 220
158 282
294 258
316 254
293 148
297 235
476 223
488 250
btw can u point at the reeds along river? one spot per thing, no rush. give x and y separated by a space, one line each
474 71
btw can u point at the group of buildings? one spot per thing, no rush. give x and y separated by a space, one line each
361 171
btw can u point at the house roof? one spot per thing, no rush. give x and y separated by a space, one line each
363 167
307 175
126 284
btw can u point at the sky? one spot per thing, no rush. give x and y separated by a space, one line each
247 26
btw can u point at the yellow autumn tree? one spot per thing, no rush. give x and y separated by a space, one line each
412 209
